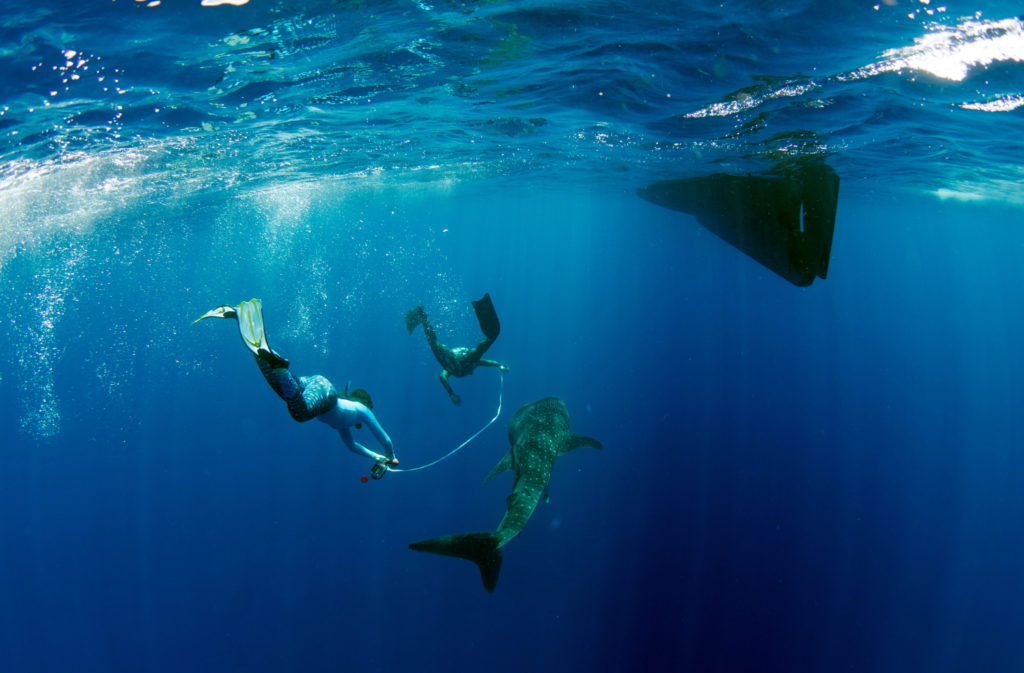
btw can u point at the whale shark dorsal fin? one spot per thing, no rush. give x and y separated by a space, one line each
577 441
504 465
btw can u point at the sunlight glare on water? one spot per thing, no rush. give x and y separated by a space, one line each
951 53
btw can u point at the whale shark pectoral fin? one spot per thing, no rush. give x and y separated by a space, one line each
577 441
504 465
219 312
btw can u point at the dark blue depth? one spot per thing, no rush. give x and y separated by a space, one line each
793 479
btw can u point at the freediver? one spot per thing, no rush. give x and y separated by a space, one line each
310 396
459 362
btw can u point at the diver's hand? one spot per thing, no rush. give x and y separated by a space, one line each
456 400
503 368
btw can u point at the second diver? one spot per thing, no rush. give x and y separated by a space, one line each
459 362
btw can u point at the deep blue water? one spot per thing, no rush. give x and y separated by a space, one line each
793 479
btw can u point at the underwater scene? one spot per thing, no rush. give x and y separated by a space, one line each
444 335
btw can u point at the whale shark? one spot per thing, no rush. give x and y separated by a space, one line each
539 433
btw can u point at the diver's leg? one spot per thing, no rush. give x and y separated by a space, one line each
306 398
442 353
475 354
280 379
318 395
467 362
272 357
438 349
428 331
456 400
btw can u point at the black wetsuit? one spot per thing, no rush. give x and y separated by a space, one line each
457 362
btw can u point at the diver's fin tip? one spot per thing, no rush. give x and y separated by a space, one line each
222 311
252 331
413 318
487 316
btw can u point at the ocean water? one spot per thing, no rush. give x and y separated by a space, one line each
793 479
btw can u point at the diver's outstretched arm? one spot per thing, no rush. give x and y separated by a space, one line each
456 400
366 416
492 363
357 448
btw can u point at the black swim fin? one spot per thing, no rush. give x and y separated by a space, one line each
487 317
414 318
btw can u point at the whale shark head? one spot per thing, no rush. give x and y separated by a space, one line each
549 414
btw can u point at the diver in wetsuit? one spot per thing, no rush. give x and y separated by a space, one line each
309 396
459 362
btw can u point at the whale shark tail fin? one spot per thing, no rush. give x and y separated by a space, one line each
480 548
487 317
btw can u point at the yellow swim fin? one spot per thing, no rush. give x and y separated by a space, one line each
250 326
249 315
219 312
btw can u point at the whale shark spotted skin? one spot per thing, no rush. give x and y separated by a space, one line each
538 433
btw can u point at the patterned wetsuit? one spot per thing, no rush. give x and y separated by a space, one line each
307 396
